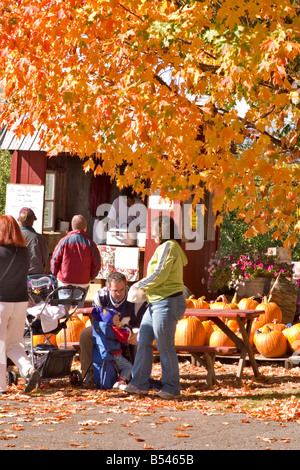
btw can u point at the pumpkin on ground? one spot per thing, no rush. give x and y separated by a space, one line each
270 343
256 324
232 324
40 339
73 330
190 332
209 327
84 318
275 325
272 311
292 334
219 338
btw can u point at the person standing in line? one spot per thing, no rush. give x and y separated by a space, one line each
36 242
14 265
76 258
163 286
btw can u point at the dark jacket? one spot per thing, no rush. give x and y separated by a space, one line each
76 259
38 250
13 286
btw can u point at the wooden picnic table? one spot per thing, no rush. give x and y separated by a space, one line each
244 319
205 355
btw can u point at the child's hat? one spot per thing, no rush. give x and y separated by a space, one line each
107 315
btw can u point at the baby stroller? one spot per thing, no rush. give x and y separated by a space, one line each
47 316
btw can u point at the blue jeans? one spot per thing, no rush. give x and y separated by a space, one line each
124 366
159 323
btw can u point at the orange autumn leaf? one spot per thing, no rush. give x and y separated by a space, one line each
117 85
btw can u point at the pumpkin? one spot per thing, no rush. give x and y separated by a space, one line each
221 303
201 303
209 327
190 332
275 325
232 324
248 303
270 343
234 302
272 311
73 330
84 318
219 338
256 324
40 339
189 303
292 334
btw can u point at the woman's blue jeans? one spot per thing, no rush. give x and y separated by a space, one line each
159 323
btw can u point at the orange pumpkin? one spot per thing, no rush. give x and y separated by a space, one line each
270 343
256 324
40 339
248 303
219 338
190 332
209 327
272 311
221 303
232 324
73 330
234 302
292 334
201 303
84 318
189 303
275 325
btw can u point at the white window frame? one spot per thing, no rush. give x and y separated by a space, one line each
49 201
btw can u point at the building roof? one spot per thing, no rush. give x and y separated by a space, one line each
9 140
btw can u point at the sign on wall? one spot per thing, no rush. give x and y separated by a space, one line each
26 195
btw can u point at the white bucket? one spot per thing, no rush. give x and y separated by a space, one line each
64 226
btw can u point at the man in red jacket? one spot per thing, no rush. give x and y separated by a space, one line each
76 258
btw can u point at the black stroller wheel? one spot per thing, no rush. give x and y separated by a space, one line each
76 378
12 377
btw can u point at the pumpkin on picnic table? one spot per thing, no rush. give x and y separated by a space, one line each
270 343
190 332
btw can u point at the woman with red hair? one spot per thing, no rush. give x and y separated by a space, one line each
14 265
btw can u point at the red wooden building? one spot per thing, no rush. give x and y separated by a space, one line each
69 190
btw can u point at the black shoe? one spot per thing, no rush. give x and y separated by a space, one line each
32 381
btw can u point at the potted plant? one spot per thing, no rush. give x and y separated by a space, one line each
238 271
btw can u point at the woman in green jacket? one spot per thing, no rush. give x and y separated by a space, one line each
163 286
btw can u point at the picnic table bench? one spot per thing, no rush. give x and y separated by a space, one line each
244 319
206 355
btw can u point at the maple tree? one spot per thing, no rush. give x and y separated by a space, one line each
155 84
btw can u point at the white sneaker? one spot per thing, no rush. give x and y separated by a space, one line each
135 390
166 395
120 384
